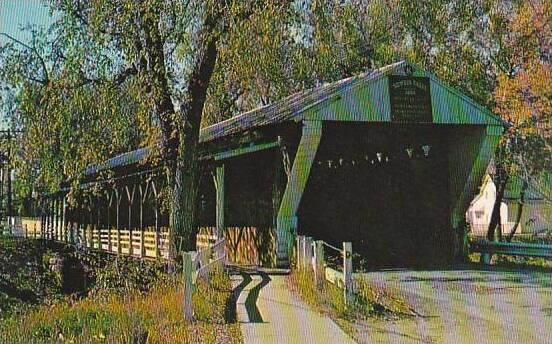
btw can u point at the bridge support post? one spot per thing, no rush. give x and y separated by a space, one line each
220 198
286 222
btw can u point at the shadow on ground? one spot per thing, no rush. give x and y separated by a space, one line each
251 301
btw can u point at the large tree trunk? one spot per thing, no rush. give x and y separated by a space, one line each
495 223
519 210
185 172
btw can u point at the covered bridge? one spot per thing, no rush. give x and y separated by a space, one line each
389 159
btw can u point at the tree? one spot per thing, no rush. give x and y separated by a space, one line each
116 75
523 98
165 50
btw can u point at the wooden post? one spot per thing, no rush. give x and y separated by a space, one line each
65 218
348 272
220 200
50 235
319 273
187 274
143 197
26 232
118 241
307 252
50 220
53 215
118 199
156 205
108 219
85 235
130 197
156 235
299 252
56 219
109 246
142 245
98 238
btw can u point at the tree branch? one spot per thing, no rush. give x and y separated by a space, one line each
35 52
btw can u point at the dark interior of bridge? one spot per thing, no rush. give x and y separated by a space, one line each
383 187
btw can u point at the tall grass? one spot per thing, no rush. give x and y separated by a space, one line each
367 301
152 317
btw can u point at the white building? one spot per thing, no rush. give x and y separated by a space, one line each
480 210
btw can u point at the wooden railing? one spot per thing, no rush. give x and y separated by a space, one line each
310 256
199 265
142 243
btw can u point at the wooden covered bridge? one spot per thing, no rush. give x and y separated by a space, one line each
388 160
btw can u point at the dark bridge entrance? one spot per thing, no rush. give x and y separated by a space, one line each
383 187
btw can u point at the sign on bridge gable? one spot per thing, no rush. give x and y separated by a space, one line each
410 99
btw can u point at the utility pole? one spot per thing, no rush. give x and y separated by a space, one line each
10 198
5 163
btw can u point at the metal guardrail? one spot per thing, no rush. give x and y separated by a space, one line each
515 249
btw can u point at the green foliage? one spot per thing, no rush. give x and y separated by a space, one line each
124 275
108 76
26 276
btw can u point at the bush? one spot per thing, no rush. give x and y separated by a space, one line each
123 275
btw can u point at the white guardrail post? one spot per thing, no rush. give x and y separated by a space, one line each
319 273
299 251
307 253
348 272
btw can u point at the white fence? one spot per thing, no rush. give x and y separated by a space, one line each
311 256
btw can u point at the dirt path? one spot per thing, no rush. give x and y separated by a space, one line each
269 313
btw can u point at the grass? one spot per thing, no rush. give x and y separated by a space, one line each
152 317
126 301
368 301
514 262
520 262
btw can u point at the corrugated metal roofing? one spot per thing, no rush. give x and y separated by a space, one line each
125 159
289 108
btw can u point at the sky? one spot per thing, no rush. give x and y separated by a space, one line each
16 14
